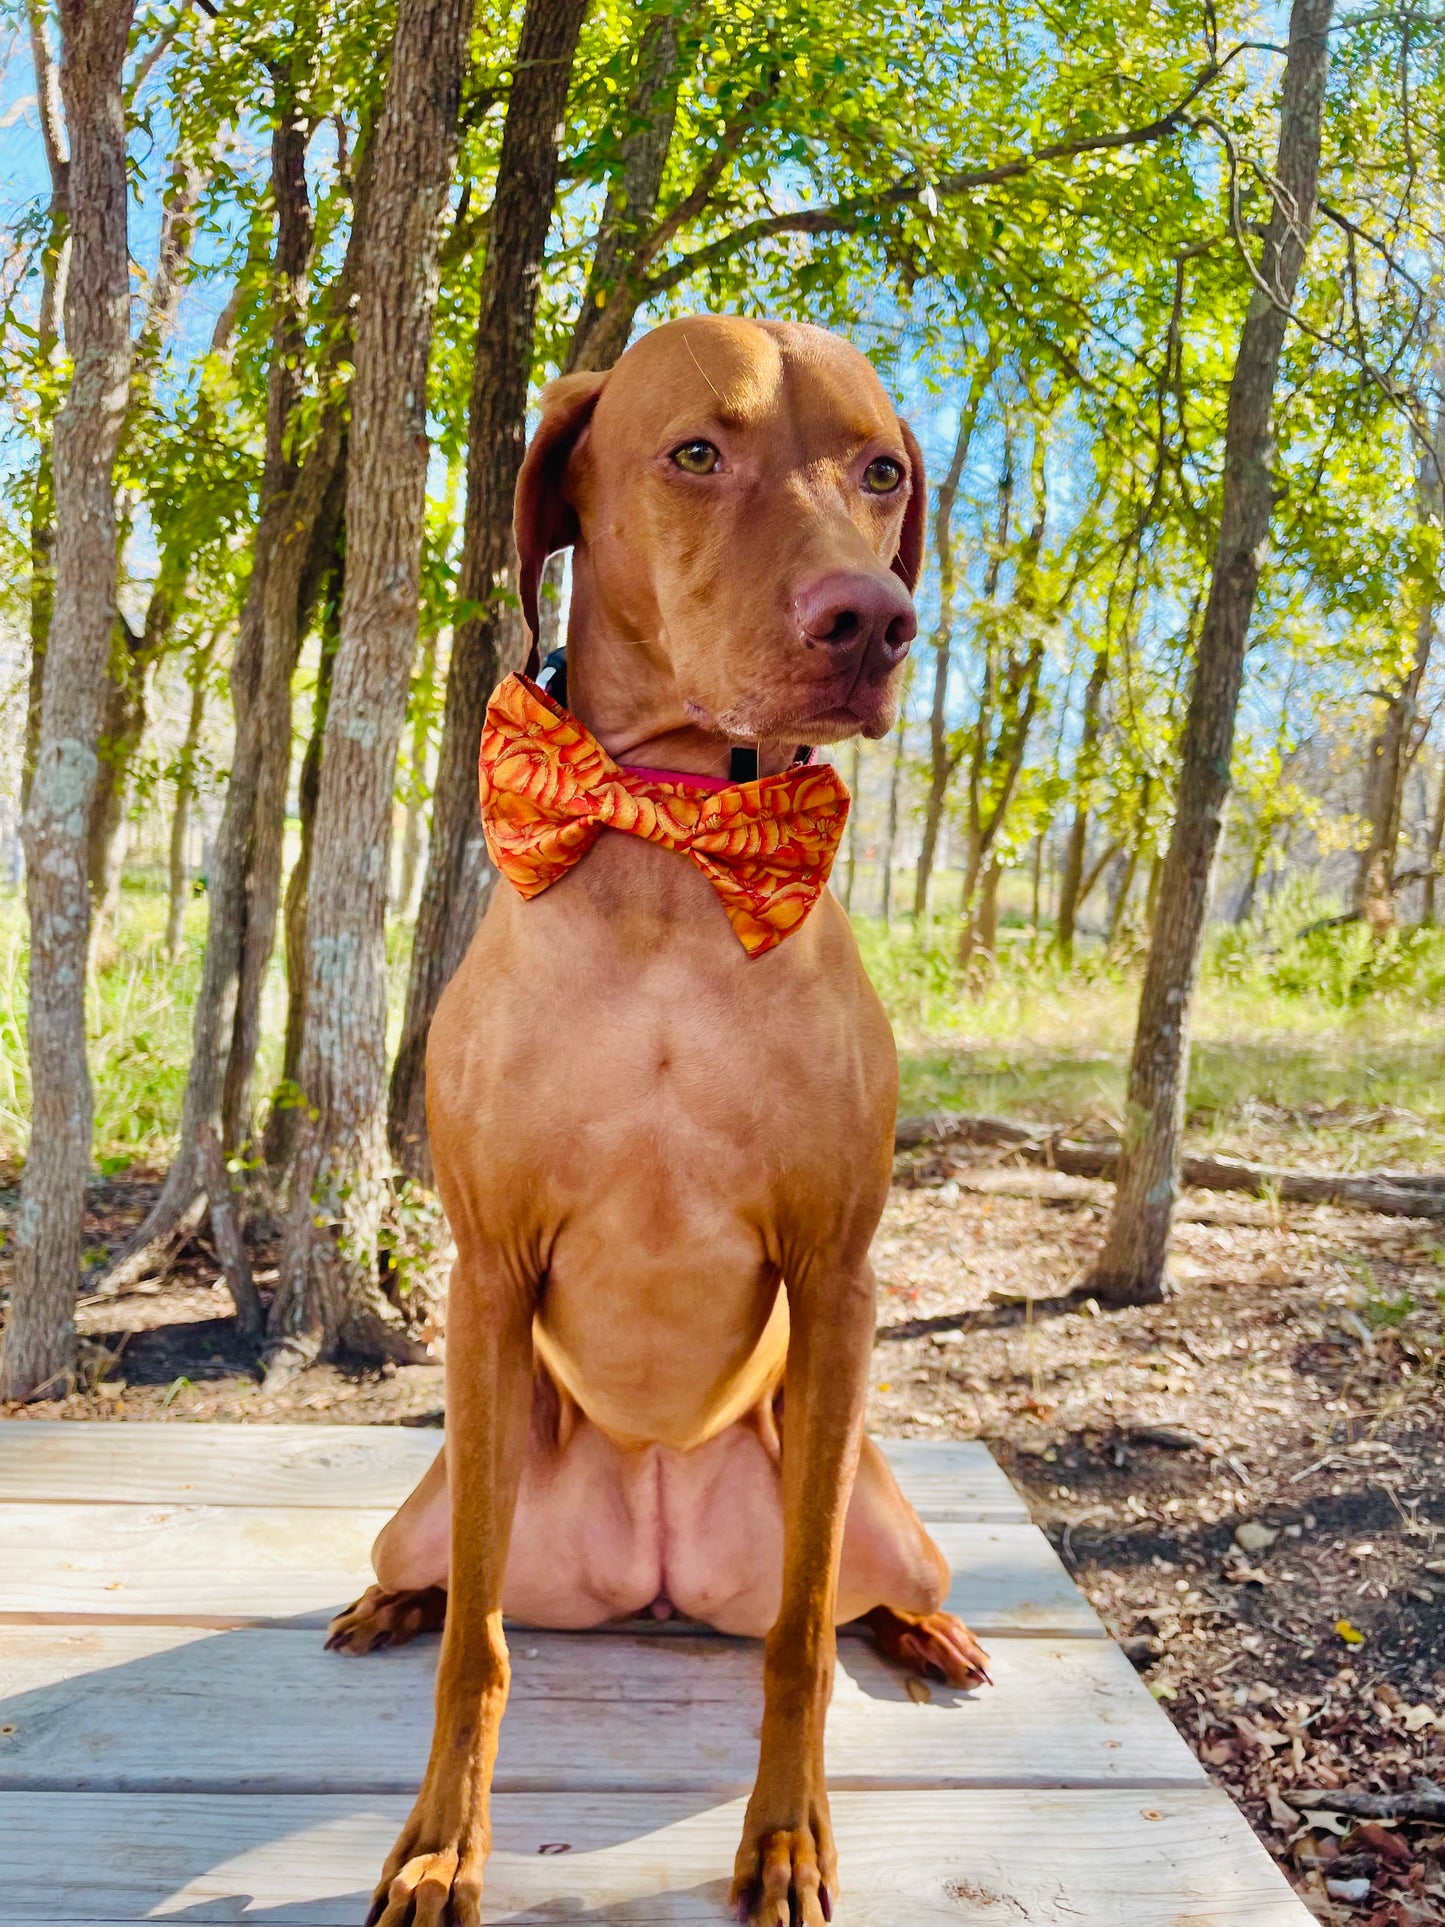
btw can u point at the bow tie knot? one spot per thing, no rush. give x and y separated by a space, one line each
548 789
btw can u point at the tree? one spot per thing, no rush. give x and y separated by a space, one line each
486 643
943 754
292 548
49 1234
329 1285
1130 1269
1400 734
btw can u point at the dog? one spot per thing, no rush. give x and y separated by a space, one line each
663 1151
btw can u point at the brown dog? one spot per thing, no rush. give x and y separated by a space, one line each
663 1161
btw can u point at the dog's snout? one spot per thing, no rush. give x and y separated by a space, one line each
853 608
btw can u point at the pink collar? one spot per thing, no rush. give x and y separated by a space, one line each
689 779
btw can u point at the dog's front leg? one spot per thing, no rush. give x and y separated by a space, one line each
786 1866
434 1873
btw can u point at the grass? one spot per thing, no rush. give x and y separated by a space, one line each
1326 1049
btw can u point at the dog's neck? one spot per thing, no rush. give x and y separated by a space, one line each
623 690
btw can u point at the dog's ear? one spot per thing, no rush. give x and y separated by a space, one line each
908 563
542 518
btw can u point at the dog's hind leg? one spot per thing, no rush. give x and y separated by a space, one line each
411 1557
895 1579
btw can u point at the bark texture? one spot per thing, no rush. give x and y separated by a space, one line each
942 759
40 1336
330 1287
1131 1267
1071 888
180 876
488 643
614 283
244 881
1393 749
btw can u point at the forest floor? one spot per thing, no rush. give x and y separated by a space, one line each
1248 1481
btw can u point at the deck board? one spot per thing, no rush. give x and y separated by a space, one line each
127 1708
258 1565
176 1744
928 1859
64 1461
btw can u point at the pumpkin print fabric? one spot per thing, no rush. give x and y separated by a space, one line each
548 788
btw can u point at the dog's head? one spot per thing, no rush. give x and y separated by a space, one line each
747 512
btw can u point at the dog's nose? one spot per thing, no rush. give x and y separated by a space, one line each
852 609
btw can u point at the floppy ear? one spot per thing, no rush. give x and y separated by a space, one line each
908 563
542 519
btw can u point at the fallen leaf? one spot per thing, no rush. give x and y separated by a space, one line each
1351 1635
1417 1718
1246 1576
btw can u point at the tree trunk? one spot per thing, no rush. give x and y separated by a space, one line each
987 939
281 1124
330 1289
610 303
487 644
1084 771
1131 1267
49 1231
1393 747
180 879
895 784
941 762
417 799
239 879
134 656
855 779
1432 853
54 260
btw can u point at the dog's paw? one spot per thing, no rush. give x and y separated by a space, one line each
782 1877
386 1619
934 1644
428 1890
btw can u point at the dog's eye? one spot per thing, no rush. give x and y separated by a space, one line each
882 475
698 458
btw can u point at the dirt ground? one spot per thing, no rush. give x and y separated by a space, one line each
1248 1481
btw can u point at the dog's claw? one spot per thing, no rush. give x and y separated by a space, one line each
825 1900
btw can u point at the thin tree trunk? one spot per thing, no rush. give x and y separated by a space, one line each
1131 1267
292 500
329 1289
135 654
1120 907
180 878
281 1124
39 1345
941 762
487 644
1391 750
1084 771
610 302
417 799
1432 853
855 778
986 941
890 840
54 259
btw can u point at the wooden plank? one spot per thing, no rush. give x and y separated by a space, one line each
64 1461
135 1708
977 1859
258 1565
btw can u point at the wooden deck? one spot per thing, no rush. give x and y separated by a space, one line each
176 1745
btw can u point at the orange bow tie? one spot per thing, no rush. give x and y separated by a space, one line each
548 788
